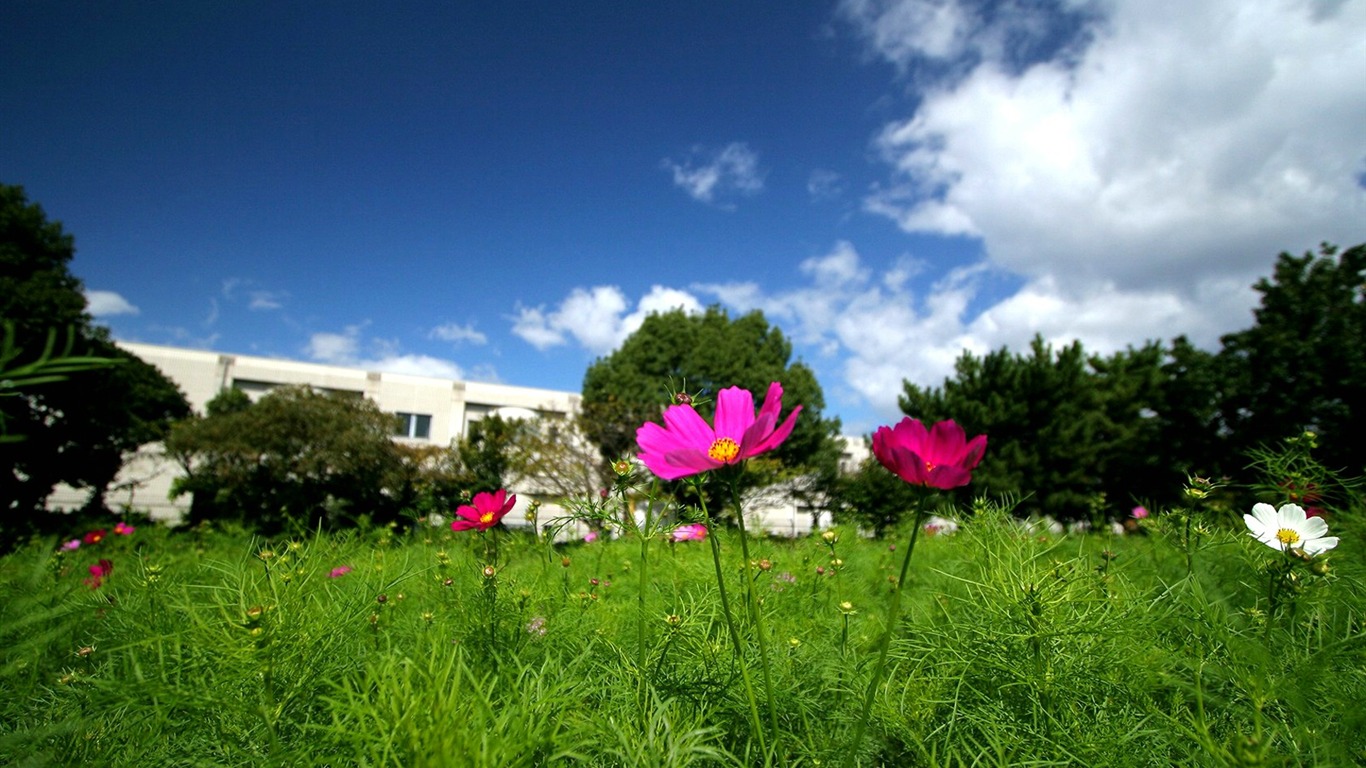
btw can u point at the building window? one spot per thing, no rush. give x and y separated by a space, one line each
414 425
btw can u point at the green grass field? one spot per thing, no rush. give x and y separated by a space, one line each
211 647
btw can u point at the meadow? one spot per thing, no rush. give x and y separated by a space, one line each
1185 643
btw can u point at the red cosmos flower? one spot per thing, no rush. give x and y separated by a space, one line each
940 457
484 512
686 445
94 537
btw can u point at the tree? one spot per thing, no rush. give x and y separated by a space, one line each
554 458
296 459
703 353
1300 366
76 430
1065 431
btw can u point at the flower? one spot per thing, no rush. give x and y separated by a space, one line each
72 545
339 572
1289 528
590 537
536 626
692 532
1139 513
940 457
97 573
686 445
485 512
123 529
94 537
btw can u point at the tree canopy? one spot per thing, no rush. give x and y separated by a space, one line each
293 460
76 430
1301 365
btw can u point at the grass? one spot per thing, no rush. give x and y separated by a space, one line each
212 647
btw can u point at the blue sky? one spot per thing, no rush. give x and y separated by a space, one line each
501 191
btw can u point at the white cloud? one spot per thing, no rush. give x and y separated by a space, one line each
710 175
1187 143
108 304
267 300
596 318
824 185
344 349
457 334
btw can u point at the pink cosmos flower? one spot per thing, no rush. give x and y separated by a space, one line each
691 532
123 529
1139 513
97 573
686 445
72 545
590 537
940 457
484 512
339 572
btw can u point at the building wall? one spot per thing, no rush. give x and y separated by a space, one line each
440 410
449 407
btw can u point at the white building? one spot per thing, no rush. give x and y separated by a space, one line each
431 411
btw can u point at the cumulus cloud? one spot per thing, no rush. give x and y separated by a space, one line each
714 176
457 334
108 304
262 301
345 349
1184 143
1134 165
596 318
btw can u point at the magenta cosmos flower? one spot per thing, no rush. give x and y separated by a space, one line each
686 445
938 457
691 532
484 512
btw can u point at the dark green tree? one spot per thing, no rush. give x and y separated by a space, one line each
702 354
1301 366
296 459
76 430
1049 420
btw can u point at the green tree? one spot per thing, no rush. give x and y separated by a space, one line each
1300 366
703 353
76 430
1045 417
296 459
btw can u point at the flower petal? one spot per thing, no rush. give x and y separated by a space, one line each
1319 546
734 413
1293 514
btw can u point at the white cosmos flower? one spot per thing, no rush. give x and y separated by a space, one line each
1289 528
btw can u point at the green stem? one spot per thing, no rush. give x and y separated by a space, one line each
755 615
893 614
640 597
730 620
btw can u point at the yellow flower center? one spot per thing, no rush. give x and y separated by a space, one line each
1288 536
724 450
486 518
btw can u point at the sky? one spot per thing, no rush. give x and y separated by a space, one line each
503 191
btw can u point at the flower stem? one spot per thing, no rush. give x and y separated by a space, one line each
893 614
730 621
755 615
